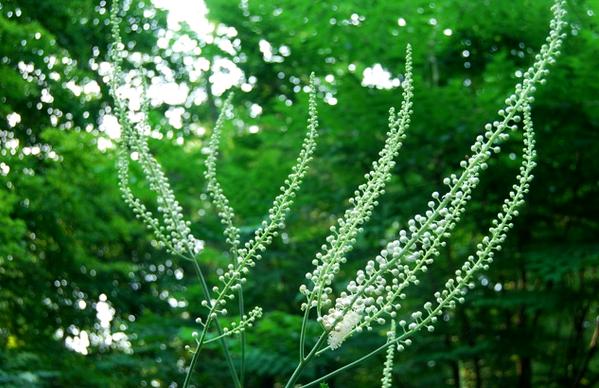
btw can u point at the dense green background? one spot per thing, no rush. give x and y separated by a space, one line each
66 236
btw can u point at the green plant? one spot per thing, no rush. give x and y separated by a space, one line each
374 296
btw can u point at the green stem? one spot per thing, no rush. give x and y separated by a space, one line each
351 364
303 333
195 358
241 313
219 329
304 362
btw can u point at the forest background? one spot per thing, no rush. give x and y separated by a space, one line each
87 300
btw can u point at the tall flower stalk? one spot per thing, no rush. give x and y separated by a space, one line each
374 296
168 223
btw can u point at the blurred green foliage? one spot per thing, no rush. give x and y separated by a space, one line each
69 245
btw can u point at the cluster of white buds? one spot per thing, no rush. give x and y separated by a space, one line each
387 379
220 201
171 230
381 283
341 326
235 274
342 237
456 288
379 287
128 136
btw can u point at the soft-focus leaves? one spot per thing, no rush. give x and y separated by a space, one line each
69 247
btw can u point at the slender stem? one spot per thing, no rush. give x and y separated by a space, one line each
221 202
304 362
202 336
351 364
195 358
241 313
303 333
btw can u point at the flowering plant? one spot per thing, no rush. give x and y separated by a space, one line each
374 297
